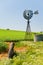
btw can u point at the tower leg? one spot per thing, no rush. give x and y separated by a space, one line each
28 31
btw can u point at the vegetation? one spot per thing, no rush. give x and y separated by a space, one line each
11 35
3 47
33 55
14 35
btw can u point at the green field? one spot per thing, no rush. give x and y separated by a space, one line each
14 35
11 35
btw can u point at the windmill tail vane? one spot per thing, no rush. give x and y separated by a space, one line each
36 12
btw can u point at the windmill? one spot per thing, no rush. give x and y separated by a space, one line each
27 14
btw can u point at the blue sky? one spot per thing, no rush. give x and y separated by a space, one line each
11 14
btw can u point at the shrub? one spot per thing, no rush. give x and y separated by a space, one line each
3 47
8 29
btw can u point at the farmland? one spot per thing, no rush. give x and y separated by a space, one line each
28 52
13 35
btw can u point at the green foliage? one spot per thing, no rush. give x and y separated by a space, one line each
3 47
33 56
20 44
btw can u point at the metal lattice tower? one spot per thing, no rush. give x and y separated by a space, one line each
28 15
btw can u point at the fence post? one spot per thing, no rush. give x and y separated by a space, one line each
11 50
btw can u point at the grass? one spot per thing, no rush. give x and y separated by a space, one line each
14 35
3 47
33 56
11 35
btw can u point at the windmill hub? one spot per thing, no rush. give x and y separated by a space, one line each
28 14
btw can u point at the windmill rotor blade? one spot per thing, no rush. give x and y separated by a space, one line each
27 14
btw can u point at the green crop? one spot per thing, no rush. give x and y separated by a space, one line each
14 35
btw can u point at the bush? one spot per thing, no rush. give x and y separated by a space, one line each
8 29
3 47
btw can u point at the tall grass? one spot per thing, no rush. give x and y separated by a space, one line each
33 56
